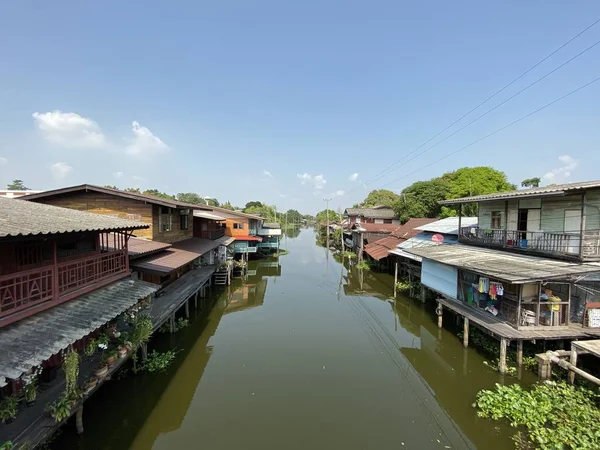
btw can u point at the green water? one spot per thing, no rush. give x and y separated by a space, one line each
302 355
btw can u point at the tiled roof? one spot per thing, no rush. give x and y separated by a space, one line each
378 212
554 189
30 341
21 218
170 203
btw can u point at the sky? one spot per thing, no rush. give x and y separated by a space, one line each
290 103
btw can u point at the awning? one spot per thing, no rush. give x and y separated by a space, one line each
248 238
505 266
29 342
137 247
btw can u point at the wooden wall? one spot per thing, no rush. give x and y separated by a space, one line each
230 231
110 205
176 234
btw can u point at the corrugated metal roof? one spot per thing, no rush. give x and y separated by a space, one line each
449 225
20 218
29 342
137 247
555 189
180 254
505 266
410 228
171 203
378 212
273 225
423 239
207 215
248 238
381 248
375 227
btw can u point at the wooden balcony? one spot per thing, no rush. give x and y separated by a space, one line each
212 234
567 245
27 292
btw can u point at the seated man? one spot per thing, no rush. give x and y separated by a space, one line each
552 314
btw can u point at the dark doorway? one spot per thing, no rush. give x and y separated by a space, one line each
522 223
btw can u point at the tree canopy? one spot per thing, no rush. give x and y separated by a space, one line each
321 217
531 182
380 197
421 199
293 216
17 185
227 205
265 211
252 205
157 193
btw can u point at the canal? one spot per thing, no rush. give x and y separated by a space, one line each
302 354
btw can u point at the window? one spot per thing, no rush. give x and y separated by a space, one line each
387 220
238 226
184 222
496 220
164 220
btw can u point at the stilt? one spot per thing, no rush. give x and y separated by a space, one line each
502 362
172 323
196 300
465 361
466 332
440 313
423 294
144 351
187 308
79 419
573 361
395 278
519 353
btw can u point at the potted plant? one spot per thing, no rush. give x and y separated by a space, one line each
101 371
111 357
31 392
123 350
61 408
90 384
90 347
8 409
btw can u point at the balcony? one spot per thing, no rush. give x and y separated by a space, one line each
212 234
274 245
27 292
536 242
269 231
245 249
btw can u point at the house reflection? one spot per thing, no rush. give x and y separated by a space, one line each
251 292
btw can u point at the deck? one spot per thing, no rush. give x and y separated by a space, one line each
591 347
502 329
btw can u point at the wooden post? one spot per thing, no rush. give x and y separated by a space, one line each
573 361
459 220
466 332
568 308
423 294
196 300
519 353
440 313
172 323
144 351
544 366
502 362
187 308
395 278
582 227
505 234
79 419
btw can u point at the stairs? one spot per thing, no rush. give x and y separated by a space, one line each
221 277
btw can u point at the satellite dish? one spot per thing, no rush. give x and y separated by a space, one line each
437 238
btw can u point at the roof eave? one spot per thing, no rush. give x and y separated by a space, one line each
501 197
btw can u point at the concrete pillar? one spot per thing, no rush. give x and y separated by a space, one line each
573 361
466 332
502 362
79 419
519 353
544 366
440 312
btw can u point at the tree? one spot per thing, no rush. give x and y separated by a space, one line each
252 204
157 193
321 217
190 197
421 199
293 216
137 190
17 185
110 186
531 182
265 211
211 201
227 205
381 197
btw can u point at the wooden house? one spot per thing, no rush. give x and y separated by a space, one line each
377 214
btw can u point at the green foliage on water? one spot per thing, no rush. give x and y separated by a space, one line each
555 415
180 324
159 361
363 265
349 255
281 253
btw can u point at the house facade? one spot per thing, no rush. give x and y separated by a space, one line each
377 214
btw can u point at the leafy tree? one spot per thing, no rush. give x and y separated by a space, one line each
190 197
265 211
381 197
421 199
110 186
293 216
137 190
17 185
227 205
531 182
321 217
252 205
157 193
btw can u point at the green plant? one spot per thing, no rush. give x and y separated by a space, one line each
8 445
158 362
554 415
402 286
8 408
90 347
71 369
349 254
142 330
61 408
179 325
363 265
102 340
31 390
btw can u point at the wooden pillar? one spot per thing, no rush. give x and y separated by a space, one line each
395 277
502 362
440 312
172 323
465 362
573 361
466 332
196 300
505 233
187 308
582 227
79 419
55 287
423 294
519 353
144 347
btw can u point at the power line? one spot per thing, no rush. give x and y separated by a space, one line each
494 132
391 167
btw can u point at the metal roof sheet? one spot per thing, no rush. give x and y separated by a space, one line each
449 225
137 247
29 342
554 189
378 212
513 268
273 225
410 228
207 215
375 227
20 218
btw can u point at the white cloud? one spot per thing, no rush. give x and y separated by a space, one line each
60 170
118 174
353 177
318 181
69 129
267 173
339 193
3 161
282 195
560 174
137 178
144 142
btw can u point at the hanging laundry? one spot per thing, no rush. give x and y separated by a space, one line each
499 289
493 291
484 285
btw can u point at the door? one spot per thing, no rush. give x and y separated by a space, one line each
533 223
572 227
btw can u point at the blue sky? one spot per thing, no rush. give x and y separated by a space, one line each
284 101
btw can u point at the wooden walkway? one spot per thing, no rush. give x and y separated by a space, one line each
500 329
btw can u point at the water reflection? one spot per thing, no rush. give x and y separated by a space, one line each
251 292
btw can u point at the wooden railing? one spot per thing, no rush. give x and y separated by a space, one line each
551 243
34 288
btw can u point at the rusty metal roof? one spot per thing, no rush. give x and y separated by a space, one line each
375 227
381 248
409 229
554 189
19 218
29 342
377 212
137 247
513 268
170 203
